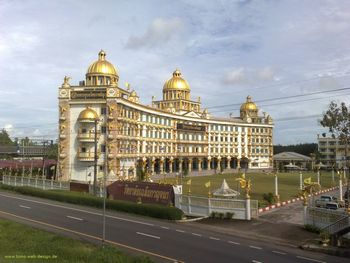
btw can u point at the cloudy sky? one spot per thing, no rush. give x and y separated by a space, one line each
226 50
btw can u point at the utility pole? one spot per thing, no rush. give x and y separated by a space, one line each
104 186
44 152
95 157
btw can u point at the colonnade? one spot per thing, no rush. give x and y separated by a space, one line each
190 164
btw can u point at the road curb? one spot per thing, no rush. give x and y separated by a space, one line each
284 203
190 220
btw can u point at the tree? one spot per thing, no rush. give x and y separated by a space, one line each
5 138
337 120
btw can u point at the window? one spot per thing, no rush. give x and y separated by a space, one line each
103 111
103 148
103 129
83 149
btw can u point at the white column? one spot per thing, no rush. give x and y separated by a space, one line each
276 185
318 176
305 214
340 188
247 209
300 180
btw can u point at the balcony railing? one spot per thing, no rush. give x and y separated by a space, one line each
87 156
88 136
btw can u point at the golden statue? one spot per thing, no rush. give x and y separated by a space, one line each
110 127
111 109
61 148
110 147
62 110
66 81
62 128
245 184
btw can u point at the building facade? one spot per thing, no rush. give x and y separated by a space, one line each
332 152
172 135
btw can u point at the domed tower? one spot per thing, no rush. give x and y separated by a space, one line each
177 96
249 110
101 72
176 88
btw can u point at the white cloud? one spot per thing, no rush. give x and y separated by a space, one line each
160 31
16 39
9 128
249 76
265 74
36 132
235 76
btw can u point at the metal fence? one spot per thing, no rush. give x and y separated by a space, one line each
322 218
36 182
202 206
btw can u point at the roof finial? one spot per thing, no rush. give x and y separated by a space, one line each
177 73
101 55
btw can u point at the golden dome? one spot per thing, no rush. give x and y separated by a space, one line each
176 82
88 115
102 66
249 105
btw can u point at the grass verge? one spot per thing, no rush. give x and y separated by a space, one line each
262 183
151 210
20 243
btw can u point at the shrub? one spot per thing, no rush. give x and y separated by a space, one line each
151 210
221 215
213 214
313 229
229 215
269 198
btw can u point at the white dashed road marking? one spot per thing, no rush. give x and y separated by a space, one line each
181 231
214 238
255 247
311 259
255 261
195 234
278 252
147 235
164 227
75 218
232 242
26 207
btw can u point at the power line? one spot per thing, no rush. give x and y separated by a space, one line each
283 103
283 98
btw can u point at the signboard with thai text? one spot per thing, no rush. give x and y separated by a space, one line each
144 192
189 127
88 94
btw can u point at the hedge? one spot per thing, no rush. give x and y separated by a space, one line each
151 210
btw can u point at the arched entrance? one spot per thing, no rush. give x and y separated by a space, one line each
244 163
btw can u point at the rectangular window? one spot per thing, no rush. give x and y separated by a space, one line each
103 111
103 148
103 129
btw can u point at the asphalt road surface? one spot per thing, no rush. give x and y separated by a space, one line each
161 240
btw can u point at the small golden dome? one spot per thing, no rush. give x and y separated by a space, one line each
249 105
102 66
176 82
133 94
88 115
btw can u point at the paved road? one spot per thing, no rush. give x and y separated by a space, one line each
162 240
291 213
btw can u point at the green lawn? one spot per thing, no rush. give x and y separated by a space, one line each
20 243
288 183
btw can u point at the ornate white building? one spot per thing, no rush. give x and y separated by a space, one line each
172 135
